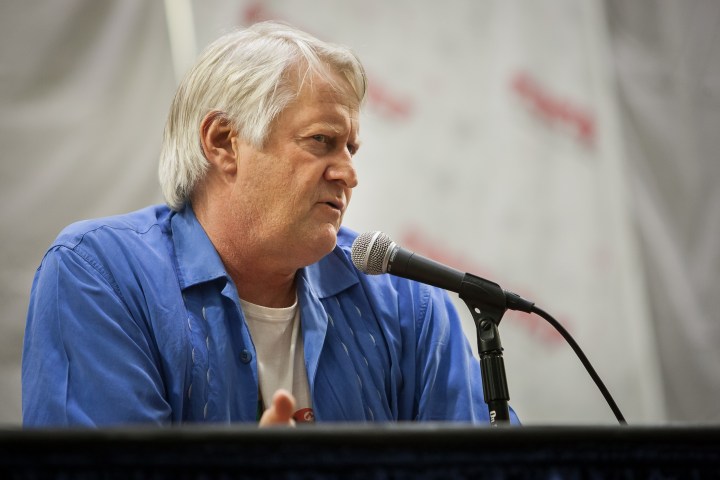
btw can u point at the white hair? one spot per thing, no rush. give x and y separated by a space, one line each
245 76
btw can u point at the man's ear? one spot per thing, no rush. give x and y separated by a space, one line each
216 136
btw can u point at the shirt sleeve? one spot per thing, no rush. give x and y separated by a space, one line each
448 376
87 359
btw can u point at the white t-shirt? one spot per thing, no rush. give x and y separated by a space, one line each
280 354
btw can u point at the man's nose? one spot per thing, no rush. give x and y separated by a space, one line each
342 170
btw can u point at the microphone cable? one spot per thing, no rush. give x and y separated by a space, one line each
584 360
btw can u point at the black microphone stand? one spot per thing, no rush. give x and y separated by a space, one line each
487 304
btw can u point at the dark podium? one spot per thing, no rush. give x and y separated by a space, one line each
405 451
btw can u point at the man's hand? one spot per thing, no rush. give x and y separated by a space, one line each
280 411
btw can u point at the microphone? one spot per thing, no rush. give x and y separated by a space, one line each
374 253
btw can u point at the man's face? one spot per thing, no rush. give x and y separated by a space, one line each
293 193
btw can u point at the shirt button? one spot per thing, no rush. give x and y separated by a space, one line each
245 356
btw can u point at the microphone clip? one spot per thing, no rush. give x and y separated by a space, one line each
487 304
485 299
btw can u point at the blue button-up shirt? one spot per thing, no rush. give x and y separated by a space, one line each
134 319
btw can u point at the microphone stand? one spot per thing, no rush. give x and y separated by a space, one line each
487 304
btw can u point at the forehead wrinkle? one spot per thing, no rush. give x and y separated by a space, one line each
332 126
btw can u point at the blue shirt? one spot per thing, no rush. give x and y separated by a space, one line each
134 319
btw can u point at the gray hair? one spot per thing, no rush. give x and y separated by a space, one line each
245 76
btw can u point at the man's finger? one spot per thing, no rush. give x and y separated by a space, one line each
281 410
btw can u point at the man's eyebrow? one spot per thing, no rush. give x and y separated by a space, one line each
336 127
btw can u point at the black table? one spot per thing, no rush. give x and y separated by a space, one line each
428 451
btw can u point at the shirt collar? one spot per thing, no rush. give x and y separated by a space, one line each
197 259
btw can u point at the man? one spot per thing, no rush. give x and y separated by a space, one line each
238 301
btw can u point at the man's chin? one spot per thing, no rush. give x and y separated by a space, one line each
330 237
323 242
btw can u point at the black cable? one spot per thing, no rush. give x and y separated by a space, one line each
586 363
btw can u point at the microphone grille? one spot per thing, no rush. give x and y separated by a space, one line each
369 251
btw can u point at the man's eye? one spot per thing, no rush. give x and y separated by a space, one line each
321 138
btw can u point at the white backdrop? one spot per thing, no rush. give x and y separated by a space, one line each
84 90
492 142
668 72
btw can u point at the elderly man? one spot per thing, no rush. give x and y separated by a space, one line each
238 301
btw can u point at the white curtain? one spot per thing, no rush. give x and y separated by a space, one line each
668 70
84 91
